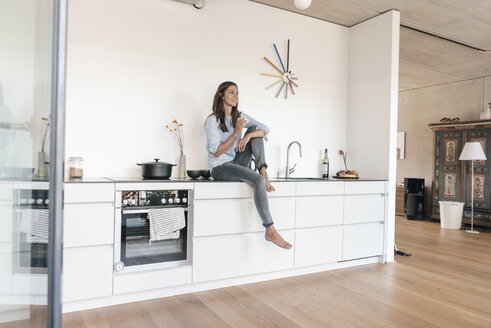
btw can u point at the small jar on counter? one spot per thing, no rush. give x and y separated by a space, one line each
75 167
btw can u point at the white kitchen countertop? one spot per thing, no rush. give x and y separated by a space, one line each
200 180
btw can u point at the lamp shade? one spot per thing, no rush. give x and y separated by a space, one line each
302 4
472 152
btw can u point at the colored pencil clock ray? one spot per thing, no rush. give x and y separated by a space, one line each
285 78
272 85
277 54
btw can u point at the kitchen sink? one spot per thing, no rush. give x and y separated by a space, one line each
300 179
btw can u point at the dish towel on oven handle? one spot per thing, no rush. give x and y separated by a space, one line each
165 223
35 224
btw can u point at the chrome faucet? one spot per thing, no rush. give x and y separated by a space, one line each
288 170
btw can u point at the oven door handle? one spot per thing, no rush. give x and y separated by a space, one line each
135 211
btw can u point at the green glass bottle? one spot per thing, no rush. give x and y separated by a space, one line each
325 165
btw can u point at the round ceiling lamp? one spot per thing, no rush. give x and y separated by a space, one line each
302 4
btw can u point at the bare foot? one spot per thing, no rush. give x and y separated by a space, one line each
273 236
269 186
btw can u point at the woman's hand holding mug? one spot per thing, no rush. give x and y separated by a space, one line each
241 122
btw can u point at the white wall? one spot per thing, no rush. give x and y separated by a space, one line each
422 106
134 66
372 109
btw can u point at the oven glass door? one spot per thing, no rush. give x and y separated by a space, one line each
30 249
32 255
136 248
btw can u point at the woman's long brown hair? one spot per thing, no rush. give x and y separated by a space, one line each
219 110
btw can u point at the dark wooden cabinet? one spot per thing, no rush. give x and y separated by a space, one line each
400 200
452 177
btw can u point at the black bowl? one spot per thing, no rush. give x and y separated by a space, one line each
205 174
194 174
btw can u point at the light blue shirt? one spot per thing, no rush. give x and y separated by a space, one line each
215 137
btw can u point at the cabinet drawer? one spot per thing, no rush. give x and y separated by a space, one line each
87 272
320 188
315 246
7 218
363 240
89 192
28 284
364 187
217 217
319 211
220 257
139 281
282 189
88 224
364 208
219 190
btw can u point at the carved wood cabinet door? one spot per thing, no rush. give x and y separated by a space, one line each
448 177
481 176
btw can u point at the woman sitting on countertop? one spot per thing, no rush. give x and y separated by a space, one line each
229 154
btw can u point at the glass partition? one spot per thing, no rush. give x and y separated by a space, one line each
26 42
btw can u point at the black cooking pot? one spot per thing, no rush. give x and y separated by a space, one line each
156 170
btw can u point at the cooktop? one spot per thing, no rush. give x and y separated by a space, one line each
132 179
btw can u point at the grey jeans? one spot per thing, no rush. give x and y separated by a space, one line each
238 169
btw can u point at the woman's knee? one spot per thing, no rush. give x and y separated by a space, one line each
257 142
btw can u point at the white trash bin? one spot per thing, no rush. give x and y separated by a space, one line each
451 214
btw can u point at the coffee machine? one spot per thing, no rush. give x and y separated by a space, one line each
414 198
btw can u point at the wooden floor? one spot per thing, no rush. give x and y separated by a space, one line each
445 283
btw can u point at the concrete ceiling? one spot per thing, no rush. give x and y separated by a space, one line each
424 60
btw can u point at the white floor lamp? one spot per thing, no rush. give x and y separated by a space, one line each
472 152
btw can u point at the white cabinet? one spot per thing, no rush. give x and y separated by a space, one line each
224 216
88 241
318 246
87 272
364 187
221 190
325 221
88 224
228 190
89 192
330 221
318 188
219 257
146 280
363 240
318 211
364 208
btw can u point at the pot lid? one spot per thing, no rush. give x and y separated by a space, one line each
156 162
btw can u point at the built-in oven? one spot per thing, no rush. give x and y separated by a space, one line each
135 247
30 230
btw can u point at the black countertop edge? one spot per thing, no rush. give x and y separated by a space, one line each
88 180
201 180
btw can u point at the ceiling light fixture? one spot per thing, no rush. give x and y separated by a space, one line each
302 4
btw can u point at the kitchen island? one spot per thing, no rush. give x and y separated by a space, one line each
331 224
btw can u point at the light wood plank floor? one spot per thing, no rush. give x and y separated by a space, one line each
445 283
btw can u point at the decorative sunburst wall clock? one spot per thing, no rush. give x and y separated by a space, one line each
285 76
